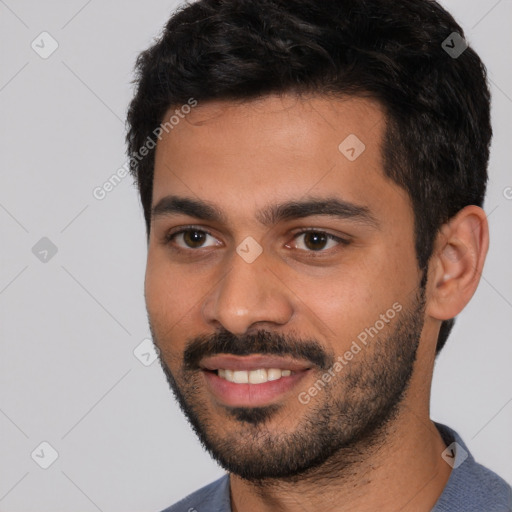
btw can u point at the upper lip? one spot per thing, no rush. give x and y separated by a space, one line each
252 362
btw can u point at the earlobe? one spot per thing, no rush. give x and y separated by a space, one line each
457 262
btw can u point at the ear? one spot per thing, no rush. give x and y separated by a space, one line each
457 262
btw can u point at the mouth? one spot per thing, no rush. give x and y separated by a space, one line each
251 381
259 376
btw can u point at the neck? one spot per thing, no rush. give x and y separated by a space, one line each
398 468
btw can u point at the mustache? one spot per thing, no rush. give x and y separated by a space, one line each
261 342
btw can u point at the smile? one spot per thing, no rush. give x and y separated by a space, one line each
259 376
254 380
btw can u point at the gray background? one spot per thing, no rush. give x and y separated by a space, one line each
69 326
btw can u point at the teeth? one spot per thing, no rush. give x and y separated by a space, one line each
259 376
240 377
274 374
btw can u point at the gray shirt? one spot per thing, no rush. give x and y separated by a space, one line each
470 488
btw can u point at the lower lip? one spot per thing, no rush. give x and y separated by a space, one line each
251 395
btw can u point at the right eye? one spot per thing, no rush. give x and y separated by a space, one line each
190 238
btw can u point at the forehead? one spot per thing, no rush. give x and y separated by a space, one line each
241 156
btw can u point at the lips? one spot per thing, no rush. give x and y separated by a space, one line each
251 381
252 362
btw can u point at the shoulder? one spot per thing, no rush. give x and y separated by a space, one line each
213 497
471 486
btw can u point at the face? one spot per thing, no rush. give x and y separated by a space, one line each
281 283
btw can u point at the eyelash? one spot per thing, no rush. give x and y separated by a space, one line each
169 237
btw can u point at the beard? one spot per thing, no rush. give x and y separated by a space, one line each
346 419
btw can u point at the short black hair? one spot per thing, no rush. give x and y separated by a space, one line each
437 103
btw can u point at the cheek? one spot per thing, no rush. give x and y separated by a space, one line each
344 303
354 297
169 297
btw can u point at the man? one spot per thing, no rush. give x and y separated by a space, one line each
312 175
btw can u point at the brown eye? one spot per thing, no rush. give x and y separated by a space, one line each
194 238
315 241
191 238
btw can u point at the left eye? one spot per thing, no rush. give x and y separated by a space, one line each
317 241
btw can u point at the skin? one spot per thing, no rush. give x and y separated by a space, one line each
243 157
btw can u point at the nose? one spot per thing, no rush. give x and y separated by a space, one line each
248 296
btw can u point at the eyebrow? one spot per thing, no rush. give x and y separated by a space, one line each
270 215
